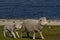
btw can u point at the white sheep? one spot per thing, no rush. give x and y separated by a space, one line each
34 26
11 28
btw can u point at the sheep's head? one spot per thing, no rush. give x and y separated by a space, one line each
43 21
18 26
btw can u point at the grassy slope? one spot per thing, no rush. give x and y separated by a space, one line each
49 34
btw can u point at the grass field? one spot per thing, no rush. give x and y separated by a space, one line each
50 34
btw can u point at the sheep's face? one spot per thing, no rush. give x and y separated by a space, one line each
43 21
18 27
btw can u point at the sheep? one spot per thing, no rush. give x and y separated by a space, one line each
11 28
33 26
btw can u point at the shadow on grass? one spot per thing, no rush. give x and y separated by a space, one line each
31 37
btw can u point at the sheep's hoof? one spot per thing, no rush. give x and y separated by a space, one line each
33 38
43 38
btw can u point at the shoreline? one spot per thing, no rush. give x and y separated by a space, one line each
5 21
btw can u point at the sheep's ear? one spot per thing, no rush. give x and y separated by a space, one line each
40 20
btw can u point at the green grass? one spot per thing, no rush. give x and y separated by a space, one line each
50 34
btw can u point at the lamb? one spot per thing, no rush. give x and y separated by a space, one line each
34 26
11 28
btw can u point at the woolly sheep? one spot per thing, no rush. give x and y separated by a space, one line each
34 26
11 28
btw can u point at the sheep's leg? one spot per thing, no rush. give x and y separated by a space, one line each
4 32
41 35
13 34
10 35
34 35
17 34
27 34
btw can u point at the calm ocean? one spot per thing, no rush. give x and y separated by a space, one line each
30 9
